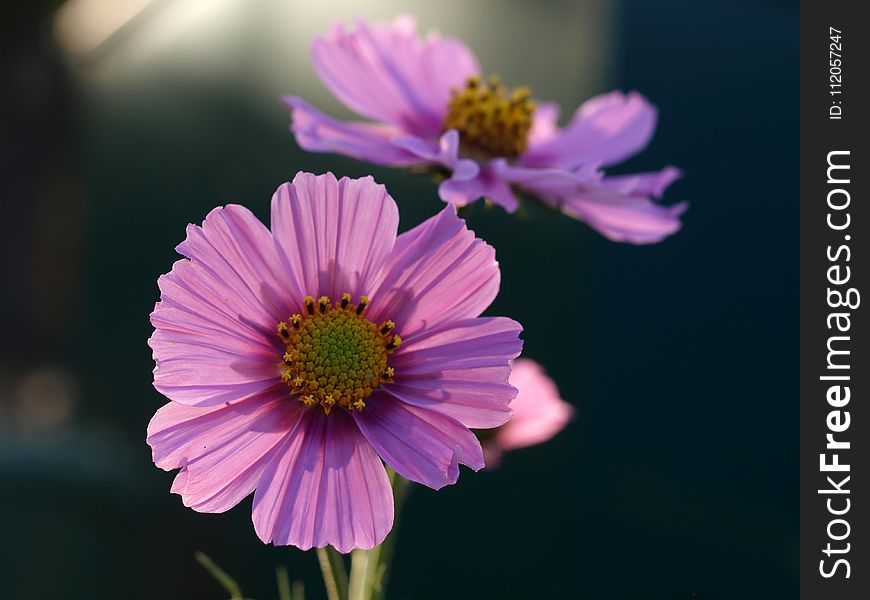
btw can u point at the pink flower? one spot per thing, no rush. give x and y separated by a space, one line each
430 109
539 413
297 359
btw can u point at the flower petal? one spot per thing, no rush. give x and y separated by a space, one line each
438 271
234 250
333 235
445 153
214 325
539 412
387 73
221 450
371 142
461 191
460 370
644 184
624 218
325 486
548 182
420 444
606 129
200 370
545 123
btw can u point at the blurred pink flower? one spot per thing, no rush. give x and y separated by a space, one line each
429 108
297 359
539 413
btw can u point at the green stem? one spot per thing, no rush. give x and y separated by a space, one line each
227 582
360 565
284 592
400 492
334 574
369 568
298 590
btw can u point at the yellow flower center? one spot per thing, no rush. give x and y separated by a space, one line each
334 355
490 118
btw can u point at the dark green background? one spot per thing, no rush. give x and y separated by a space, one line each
677 480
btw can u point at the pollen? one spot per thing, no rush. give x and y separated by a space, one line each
490 118
333 355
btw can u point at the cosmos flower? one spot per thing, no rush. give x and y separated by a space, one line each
429 108
297 359
539 413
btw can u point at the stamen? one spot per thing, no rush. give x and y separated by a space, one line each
363 302
490 118
333 355
394 343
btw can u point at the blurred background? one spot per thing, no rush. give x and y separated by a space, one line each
123 120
